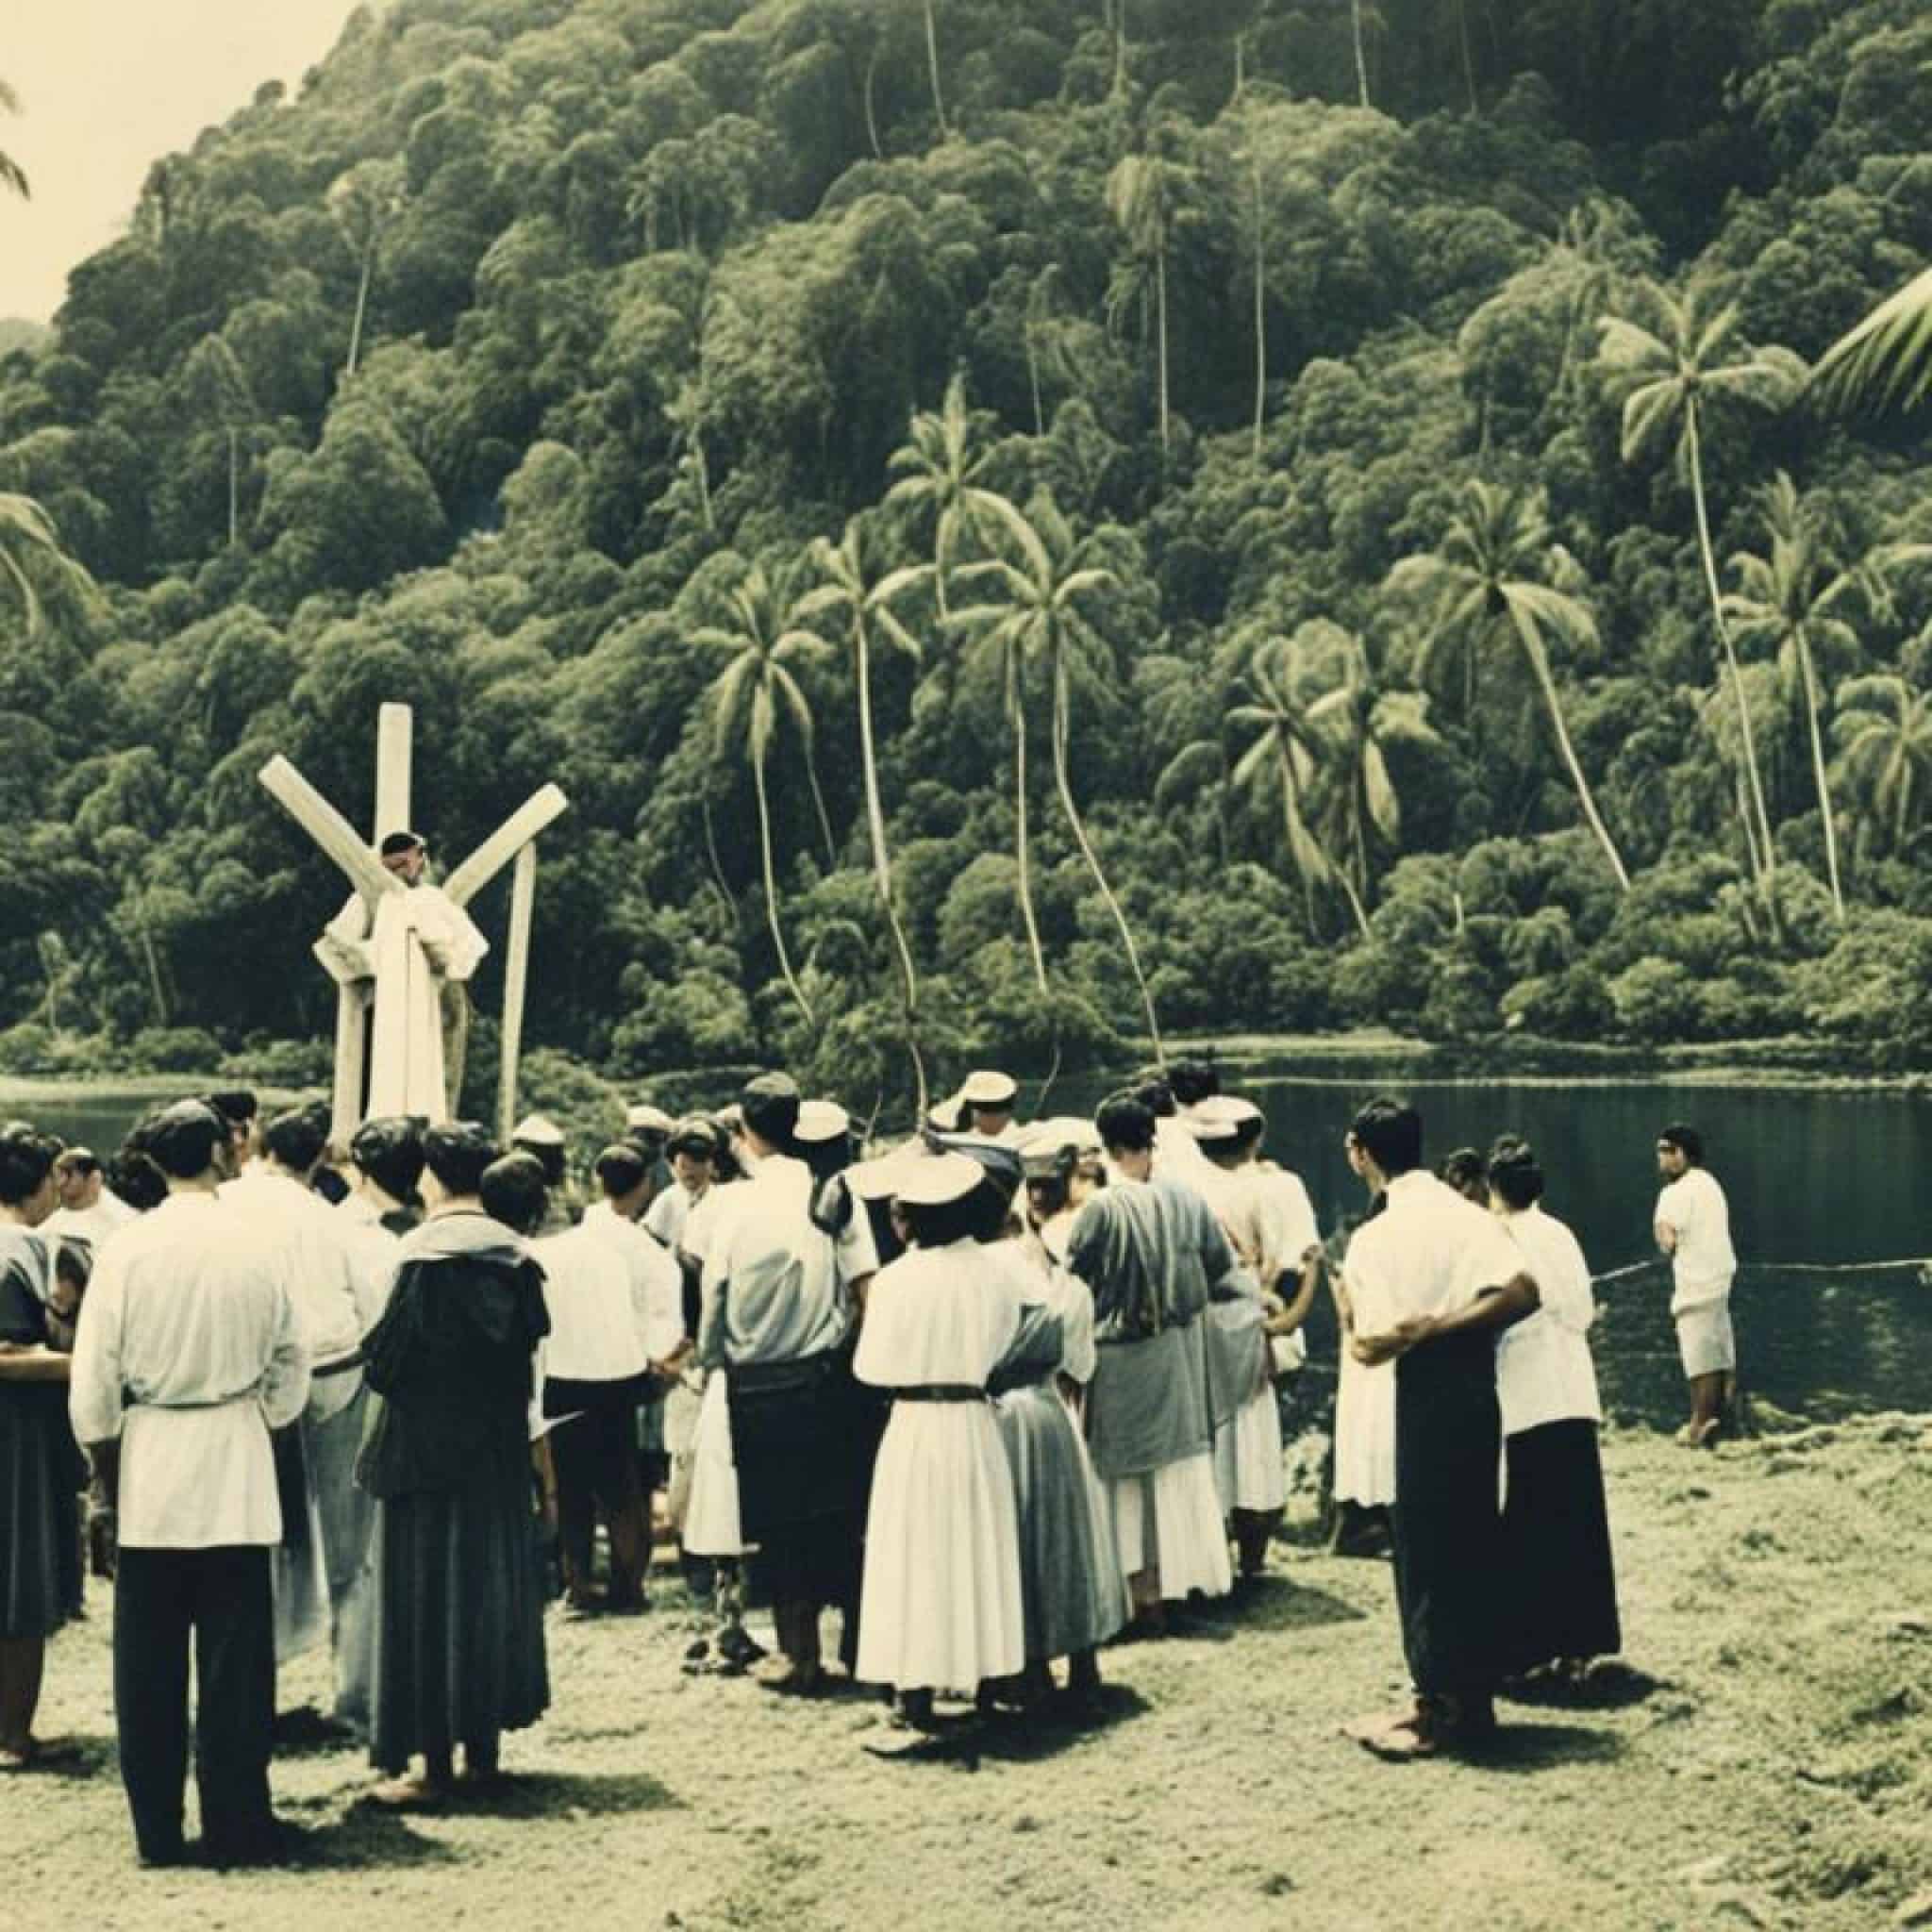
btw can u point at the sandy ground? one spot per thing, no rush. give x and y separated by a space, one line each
1765 1761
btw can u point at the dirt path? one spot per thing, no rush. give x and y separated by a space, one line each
1778 1774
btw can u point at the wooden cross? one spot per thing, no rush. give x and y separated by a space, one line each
515 839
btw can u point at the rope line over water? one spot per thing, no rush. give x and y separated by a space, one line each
1922 1263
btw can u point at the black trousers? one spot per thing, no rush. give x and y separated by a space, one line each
221 1602
596 1457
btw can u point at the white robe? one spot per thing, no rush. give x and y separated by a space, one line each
941 1607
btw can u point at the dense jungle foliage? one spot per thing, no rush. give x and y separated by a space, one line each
1313 507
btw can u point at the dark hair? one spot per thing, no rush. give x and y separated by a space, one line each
456 1152
236 1105
515 1192
136 1179
1390 1132
296 1138
1688 1142
1514 1173
1048 1194
181 1140
620 1169
770 1105
961 1220
1153 1091
80 1160
389 1149
26 1159
1466 1171
393 842
550 1158
1192 1081
1126 1122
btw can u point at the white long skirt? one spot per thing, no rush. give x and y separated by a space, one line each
1248 1473
1365 1433
1171 1521
940 1607
710 1523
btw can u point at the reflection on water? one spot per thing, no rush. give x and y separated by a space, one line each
1813 1178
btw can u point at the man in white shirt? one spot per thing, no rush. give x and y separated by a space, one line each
89 1210
987 1098
693 1149
1430 1281
189 1353
1693 1227
781 1295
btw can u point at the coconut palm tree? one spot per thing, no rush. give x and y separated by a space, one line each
1038 616
942 471
853 598
1281 682
12 176
33 566
1884 732
1669 374
1790 601
756 690
1484 589
1356 801
1887 359
364 200
1143 195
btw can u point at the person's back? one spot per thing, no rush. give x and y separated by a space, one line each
594 1335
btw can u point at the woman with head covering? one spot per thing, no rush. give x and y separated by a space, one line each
941 1608
41 1469
459 1636
1556 1526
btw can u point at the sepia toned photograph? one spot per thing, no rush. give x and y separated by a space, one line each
966 963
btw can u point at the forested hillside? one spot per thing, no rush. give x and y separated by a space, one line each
1363 453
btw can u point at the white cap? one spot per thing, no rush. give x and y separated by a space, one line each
989 1088
1062 1130
819 1121
936 1180
1221 1117
647 1119
535 1130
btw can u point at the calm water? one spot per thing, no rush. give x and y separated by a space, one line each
1813 1178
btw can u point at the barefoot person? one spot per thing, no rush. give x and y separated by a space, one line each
1556 1527
190 1352
1431 1279
459 1616
1694 1228
39 1467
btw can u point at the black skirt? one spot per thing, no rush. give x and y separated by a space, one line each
798 1442
1450 1583
460 1651
41 1475
1557 1542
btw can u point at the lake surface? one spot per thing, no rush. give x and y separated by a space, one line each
1819 1179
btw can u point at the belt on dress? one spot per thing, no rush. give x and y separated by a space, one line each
340 1366
942 1391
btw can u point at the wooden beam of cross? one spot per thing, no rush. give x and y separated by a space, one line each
512 840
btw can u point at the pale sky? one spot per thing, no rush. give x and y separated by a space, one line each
107 87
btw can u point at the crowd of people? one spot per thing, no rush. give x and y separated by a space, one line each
998 1396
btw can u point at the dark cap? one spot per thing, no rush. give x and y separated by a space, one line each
181 1140
770 1104
393 842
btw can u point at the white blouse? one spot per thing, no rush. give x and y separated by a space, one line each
1545 1372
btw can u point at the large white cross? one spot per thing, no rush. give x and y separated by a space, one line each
515 839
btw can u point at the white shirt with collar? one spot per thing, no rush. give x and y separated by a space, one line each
1430 1252
190 1351
1545 1372
1703 1263
321 1265
90 1225
595 1333
668 1215
656 1282
774 1283
377 1254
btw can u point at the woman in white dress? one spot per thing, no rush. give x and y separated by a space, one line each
941 1608
1364 1438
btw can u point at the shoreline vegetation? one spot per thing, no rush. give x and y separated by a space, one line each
1761 1757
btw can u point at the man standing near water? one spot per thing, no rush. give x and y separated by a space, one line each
1694 1228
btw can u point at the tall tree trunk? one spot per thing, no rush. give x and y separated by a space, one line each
1023 852
818 799
1241 68
1355 902
1061 733
1468 61
1120 46
1539 665
932 62
881 864
1291 825
1810 675
1695 448
757 774
724 885
872 119
1033 379
362 301
1260 313
233 492
1160 292
1361 58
